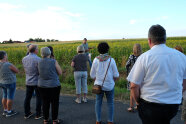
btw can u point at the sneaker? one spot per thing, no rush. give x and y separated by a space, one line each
29 115
84 100
11 113
37 117
4 113
78 100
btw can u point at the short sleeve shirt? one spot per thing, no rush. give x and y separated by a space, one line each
6 75
30 64
160 73
80 62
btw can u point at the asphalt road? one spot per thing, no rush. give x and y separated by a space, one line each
72 113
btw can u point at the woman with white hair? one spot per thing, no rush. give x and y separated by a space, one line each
49 85
79 62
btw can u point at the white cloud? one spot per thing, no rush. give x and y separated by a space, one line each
6 6
52 22
54 8
73 14
132 21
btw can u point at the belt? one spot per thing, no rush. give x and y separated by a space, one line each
156 104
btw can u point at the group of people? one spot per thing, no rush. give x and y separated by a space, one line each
103 66
156 80
137 51
41 78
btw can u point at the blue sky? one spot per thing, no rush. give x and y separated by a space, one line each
94 19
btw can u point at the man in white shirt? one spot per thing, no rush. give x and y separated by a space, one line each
157 78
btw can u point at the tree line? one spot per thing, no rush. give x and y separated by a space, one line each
31 40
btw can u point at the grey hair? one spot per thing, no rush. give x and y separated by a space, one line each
45 51
32 48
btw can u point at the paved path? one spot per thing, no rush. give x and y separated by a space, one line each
73 113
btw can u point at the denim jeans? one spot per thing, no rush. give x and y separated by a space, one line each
9 91
110 105
90 63
89 60
29 92
81 81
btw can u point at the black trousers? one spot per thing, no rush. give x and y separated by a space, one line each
50 96
154 113
29 93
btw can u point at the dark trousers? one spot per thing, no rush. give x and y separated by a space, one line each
50 96
29 92
154 113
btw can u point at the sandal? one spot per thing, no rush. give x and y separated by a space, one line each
130 109
58 121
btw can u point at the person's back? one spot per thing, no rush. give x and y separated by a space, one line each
30 63
104 71
157 78
7 83
100 69
48 76
49 85
130 63
80 61
163 68
137 51
6 75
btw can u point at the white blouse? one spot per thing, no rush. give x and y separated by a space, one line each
98 72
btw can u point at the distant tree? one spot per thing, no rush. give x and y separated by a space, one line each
10 41
48 40
52 40
31 39
42 40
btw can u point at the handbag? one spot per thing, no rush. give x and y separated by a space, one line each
96 89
